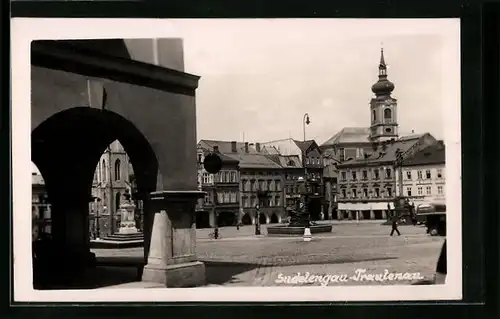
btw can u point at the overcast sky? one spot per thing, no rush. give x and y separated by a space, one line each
259 77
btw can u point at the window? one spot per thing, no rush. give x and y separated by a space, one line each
278 201
389 192
233 197
353 175
388 172
377 192
428 190
419 174
365 174
307 160
254 185
220 197
376 174
440 190
199 158
365 192
342 154
374 116
419 191
387 114
343 176
104 171
233 177
408 191
439 173
408 175
354 193
263 186
206 178
343 193
428 174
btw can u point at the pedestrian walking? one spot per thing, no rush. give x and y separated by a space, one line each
394 219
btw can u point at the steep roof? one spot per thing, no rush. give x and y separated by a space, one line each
304 145
226 146
350 135
37 179
385 154
254 160
431 155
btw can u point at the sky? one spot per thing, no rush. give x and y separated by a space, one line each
259 77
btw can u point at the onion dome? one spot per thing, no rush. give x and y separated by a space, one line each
383 85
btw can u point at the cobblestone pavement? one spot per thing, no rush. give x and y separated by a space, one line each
240 259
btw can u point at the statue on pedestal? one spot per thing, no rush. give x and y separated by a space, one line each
127 212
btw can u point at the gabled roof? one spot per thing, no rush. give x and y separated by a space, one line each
350 135
431 155
304 145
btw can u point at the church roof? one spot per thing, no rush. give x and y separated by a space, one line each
350 135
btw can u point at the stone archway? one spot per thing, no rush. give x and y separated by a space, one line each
274 219
68 175
262 218
246 220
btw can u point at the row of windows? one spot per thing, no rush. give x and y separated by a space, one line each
365 193
387 174
428 174
253 201
223 197
314 161
253 185
428 190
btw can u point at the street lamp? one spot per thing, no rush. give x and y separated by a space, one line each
305 122
257 219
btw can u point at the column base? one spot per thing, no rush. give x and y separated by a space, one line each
191 274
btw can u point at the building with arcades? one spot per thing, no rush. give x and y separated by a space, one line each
260 181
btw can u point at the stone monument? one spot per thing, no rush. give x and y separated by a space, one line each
127 213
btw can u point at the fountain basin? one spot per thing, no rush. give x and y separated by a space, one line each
285 230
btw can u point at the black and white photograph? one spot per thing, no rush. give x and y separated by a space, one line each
236 160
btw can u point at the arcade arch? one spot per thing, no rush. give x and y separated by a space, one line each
66 148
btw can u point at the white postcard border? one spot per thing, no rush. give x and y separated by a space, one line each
24 30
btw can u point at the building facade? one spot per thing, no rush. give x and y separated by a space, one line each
424 176
260 181
221 204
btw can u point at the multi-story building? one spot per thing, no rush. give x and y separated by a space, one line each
221 204
423 175
291 169
367 185
330 180
260 183
311 160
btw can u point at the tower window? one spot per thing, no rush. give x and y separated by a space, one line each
388 130
374 114
387 114
117 170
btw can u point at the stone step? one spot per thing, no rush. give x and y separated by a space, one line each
124 237
111 244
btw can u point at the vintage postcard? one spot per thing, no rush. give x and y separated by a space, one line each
236 160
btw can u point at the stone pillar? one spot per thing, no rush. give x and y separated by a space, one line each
172 250
349 214
372 214
211 218
384 214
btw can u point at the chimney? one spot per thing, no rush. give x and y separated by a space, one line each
246 147
257 147
233 147
216 149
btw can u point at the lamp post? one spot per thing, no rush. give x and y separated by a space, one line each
257 219
305 122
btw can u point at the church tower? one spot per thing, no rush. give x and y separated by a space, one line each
383 107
